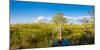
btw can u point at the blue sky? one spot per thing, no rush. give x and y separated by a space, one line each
27 12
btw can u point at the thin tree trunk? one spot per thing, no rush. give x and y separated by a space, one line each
60 34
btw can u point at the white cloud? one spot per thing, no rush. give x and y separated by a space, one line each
39 18
42 18
76 19
70 19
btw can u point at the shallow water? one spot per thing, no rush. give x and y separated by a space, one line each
64 42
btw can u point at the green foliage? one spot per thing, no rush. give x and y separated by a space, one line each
59 19
37 35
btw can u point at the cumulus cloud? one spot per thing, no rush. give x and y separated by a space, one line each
76 19
42 18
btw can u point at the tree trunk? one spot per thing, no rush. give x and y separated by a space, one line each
60 34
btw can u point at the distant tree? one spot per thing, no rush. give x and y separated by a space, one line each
92 18
91 13
85 20
59 19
